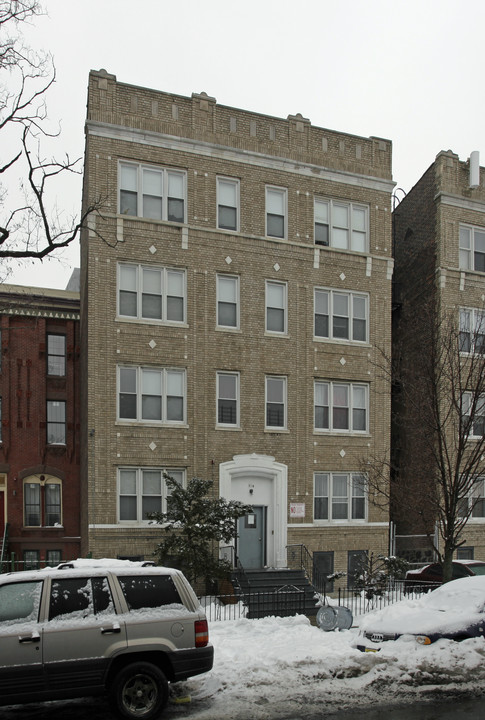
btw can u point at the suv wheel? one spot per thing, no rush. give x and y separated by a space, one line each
140 690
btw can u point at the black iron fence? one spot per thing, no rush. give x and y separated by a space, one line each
285 603
281 603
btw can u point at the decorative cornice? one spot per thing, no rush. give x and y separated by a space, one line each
460 202
248 157
39 312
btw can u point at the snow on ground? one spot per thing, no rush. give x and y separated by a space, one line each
288 668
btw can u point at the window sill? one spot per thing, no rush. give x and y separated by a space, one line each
341 341
277 431
159 425
152 322
142 524
153 221
269 334
49 528
340 433
476 521
232 330
231 428
340 523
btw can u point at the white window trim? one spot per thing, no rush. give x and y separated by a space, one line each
139 420
139 293
470 265
236 183
283 285
351 386
351 206
348 520
472 497
139 192
139 492
276 428
468 394
352 294
284 192
235 278
474 327
236 375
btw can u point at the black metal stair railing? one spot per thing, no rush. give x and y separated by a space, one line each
3 550
299 557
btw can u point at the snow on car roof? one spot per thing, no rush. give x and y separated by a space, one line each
454 602
95 566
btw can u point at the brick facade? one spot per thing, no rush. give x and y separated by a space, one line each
39 474
205 141
428 275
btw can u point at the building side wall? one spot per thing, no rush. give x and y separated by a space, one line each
431 287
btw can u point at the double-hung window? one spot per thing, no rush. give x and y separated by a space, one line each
151 293
478 499
143 490
276 307
227 204
151 395
276 212
56 422
341 407
228 399
56 355
340 315
473 414
472 330
339 496
341 225
472 248
276 403
473 505
228 301
42 503
152 192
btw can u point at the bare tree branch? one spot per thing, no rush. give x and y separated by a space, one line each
439 429
29 227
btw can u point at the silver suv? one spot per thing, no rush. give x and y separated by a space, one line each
89 627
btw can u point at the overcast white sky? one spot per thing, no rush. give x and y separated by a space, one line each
410 71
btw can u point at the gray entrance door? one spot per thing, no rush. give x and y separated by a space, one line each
251 538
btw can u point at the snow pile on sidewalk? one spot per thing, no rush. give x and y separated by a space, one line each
285 667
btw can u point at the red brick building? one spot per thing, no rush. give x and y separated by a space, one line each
39 442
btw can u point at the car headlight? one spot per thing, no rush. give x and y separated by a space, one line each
423 640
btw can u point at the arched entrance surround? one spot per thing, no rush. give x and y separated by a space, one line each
260 481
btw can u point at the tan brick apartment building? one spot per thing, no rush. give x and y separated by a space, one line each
440 263
234 290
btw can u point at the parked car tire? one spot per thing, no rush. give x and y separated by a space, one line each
139 691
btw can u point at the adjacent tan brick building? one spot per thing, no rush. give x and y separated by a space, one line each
235 290
439 232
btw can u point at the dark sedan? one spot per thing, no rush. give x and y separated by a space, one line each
454 611
433 574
